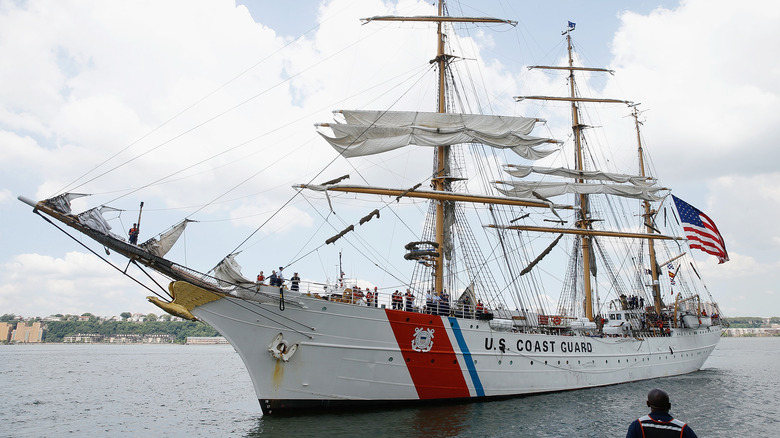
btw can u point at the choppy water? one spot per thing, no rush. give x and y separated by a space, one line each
175 390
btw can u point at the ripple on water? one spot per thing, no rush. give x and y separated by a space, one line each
174 390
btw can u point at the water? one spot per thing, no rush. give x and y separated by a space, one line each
189 391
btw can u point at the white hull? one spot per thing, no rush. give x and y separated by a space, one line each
349 354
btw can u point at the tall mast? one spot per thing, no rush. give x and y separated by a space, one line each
584 222
441 161
648 218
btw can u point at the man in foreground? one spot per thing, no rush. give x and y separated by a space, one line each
659 423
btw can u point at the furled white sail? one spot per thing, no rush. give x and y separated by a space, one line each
93 219
521 171
364 133
229 270
161 246
528 189
62 202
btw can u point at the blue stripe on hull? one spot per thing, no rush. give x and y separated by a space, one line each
467 356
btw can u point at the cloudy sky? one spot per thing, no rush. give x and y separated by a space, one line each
171 97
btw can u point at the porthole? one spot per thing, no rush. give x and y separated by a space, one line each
324 309
390 359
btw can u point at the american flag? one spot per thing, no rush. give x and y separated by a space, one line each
701 230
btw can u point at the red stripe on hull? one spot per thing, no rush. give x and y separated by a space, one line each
435 373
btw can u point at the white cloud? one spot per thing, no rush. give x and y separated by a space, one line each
707 87
40 285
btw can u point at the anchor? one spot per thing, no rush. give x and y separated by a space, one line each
281 349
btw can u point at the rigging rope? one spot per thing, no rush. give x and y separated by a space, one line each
166 299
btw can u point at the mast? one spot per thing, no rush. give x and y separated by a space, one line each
584 222
648 218
441 161
140 210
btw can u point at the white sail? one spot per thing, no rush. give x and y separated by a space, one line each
523 189
161 246
62 202
229 270
522 171
93 219
372 132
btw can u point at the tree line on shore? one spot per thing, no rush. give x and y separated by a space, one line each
750 321
57 330
71 325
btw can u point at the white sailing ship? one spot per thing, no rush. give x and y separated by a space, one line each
478 322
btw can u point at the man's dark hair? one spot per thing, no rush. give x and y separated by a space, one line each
658 400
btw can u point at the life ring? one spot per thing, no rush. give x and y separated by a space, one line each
557 320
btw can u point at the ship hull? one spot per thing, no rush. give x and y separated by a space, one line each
312 354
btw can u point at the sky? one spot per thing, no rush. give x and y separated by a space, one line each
108 97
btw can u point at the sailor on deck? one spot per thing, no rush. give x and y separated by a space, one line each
397 300
409 301
134 234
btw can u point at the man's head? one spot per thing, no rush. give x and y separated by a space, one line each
658 400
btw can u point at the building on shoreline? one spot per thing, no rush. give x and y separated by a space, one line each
158 338
205 340
5 332
83 338
126 338
23 333
753 331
